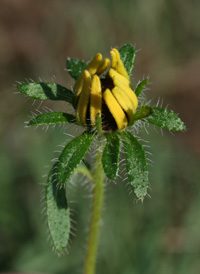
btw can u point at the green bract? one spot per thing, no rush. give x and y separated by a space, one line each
46 91
136 164
110 158
58 215
140 86
72 156
52 118
127 54
75 67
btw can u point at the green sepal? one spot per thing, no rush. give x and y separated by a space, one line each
136 164
110 157
127 55
75 67
165 119
58 214
140 86
99 123
72 155
52 118
46 91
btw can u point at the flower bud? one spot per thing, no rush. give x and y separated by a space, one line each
105 90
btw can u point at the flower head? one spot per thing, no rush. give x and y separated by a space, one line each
104 89
104 100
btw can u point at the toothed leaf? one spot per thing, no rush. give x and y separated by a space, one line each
110 158
127 54
75 67
140 86
165 119
46 91
72 155
58 215
52 118
136 164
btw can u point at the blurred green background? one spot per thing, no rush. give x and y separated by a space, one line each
160 236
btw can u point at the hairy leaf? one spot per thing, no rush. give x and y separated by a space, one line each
110 158
143 112
52 118
140 86
127 54
72 155
75 67
46 91
58 215
136 164
165 119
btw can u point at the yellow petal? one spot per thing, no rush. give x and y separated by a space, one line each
124 102
104 66
78 84
128 91
94 65
117 63
115 75
121 69
115 109
84 97
115 56
95 99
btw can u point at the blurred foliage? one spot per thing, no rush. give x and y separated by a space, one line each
162 234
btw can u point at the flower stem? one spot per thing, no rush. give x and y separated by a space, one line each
95 221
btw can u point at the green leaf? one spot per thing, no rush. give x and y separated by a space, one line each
143 112
72 155
136 164
58 215
127 54
52 118
165 119
46 91
110 157
140 86
75 67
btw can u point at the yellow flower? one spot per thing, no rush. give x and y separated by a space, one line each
105 89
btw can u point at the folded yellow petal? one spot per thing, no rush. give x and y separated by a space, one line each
94 65
78 84
115 109
121 69
95 99
117 63
78 88
124 102
104 66
115 75
84 97
128 91
115 58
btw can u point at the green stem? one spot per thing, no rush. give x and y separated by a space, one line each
95 221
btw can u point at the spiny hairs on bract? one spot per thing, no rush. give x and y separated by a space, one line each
44 215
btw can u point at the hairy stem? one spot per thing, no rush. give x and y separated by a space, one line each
95 221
